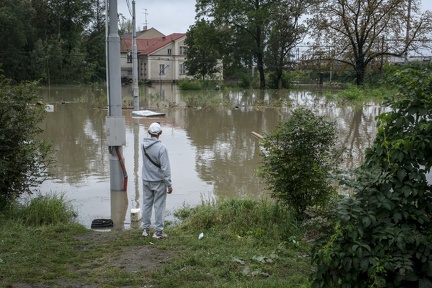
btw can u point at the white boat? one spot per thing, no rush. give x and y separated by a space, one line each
146 113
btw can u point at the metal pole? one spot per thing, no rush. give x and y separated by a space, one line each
161 71
135 90
408 28
160 81
106 51
114 102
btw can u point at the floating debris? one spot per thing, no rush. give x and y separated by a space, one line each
146 113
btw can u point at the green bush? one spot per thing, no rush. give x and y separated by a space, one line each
296 160
272 81
186 84
383 233
246 80
22 155
303 76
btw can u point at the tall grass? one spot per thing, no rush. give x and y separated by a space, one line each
245 217
43 210
245 241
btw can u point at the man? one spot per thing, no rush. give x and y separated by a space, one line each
156 175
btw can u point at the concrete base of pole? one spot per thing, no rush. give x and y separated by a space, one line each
119 207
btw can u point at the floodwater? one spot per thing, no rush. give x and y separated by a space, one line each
208 134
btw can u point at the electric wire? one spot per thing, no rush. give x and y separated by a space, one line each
129 8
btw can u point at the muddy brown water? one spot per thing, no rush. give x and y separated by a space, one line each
208 134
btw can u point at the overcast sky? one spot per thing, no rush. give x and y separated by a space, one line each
166 16
173 16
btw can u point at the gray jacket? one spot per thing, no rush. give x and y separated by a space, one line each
159 154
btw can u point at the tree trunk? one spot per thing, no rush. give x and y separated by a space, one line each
360 76
279 74
360 71
260 56
261 72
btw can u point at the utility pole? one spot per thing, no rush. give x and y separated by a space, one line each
115 122
135 90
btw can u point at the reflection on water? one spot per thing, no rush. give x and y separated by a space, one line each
207 133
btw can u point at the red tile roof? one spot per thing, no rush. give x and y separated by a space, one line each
148 46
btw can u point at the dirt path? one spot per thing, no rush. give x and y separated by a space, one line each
129 259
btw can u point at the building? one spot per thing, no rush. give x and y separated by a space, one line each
160 57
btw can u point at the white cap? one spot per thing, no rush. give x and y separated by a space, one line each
154 128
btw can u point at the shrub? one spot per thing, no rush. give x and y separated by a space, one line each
186 84
296 163
383 235
22 155
272 81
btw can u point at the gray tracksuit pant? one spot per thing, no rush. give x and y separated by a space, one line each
155 193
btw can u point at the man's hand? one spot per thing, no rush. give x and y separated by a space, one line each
169 190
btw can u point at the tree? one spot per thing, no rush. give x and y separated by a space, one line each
125 25
202 54
46 57
383 232
15 34
95 39
296 162
286 32
23 157
71 18
249 24
357 32
242 17
43 40
237 61
53 41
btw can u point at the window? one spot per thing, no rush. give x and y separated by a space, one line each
161 69
183 50
129 57
182 69
145 69
169 51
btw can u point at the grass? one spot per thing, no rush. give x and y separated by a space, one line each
361 94
43 210
246 244
244 241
